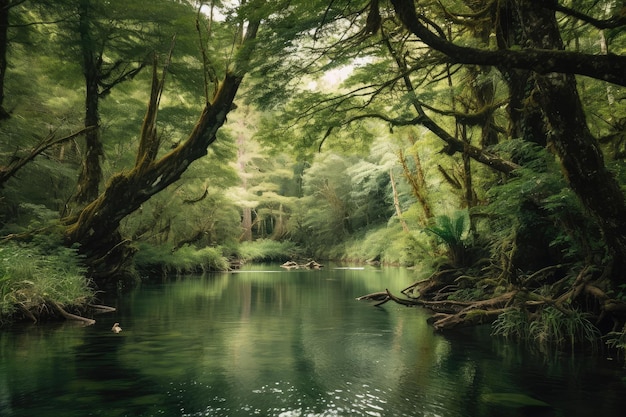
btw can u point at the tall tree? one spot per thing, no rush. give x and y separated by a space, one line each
96 227
5 7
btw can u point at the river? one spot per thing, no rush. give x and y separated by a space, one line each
264 341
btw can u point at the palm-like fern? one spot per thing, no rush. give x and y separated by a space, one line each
452 230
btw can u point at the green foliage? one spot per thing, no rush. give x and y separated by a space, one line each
554 327
187 259
534 216
390 245
267 250
616 340
32 274
512 324
453 231
549 327
471 294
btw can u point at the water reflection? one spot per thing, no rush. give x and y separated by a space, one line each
272 342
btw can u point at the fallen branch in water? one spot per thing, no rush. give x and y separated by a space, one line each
479 312
70 316
588 293
101 308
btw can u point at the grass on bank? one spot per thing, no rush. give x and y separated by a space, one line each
34 275
189 259
267 250
548 327
164 259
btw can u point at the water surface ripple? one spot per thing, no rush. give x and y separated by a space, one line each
270 342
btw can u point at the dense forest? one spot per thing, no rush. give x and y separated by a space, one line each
481 142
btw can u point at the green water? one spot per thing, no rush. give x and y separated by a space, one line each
270 342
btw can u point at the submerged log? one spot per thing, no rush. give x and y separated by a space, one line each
308 265
99 308
383 296
375 296
290 265
70 316
313 265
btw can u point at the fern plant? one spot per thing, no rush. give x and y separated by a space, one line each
453 232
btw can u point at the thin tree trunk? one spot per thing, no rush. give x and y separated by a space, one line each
417 183
396 202
246 224
91 171
246 212
5 7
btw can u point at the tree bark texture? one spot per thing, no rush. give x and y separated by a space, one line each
530 26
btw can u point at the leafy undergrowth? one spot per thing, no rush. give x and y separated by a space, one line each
34 276
547 327
188 259
267 250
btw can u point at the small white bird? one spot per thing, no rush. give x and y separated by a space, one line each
116 328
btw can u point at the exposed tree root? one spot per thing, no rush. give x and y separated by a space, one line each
27 312
437 282
586 293
70 316
479 312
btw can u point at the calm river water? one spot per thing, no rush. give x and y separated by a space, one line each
269 342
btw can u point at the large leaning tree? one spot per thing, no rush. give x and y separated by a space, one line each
96 227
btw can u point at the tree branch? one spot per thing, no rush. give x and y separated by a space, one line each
8 171
611 68
610 23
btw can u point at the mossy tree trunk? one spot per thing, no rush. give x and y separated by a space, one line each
95 228
552 114
552 70
91 170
